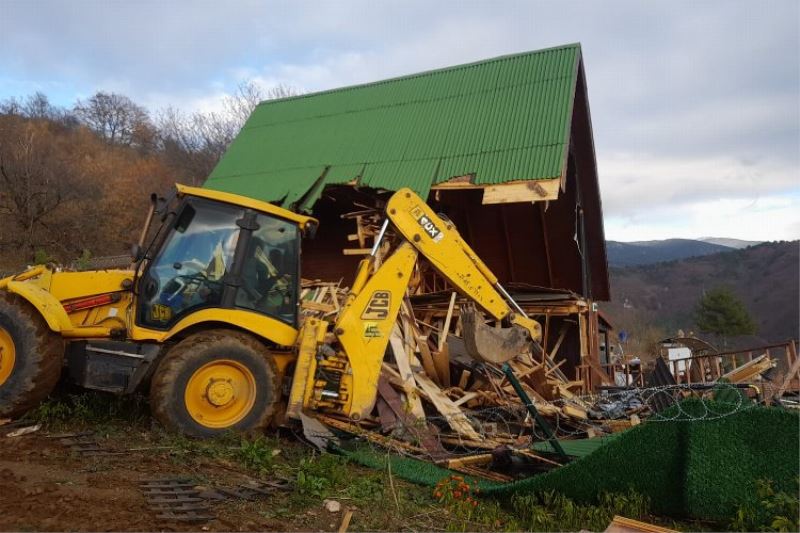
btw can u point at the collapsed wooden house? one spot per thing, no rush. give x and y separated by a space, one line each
502 147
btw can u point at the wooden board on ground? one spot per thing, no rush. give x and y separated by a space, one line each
454 417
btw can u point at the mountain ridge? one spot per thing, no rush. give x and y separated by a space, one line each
622 254
766 277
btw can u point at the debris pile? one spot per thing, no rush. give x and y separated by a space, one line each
436 402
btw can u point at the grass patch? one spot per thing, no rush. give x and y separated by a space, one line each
772 511
98 409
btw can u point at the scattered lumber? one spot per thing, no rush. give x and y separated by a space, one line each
750 370
435 402
620 524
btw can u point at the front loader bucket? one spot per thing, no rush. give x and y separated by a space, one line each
487 344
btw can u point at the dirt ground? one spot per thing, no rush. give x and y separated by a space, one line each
46 486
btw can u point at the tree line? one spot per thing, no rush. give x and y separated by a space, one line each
75 181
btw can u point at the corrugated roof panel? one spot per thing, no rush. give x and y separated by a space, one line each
503 119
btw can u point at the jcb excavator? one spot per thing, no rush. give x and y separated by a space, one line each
208 316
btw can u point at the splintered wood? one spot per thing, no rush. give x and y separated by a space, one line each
434 400
321 299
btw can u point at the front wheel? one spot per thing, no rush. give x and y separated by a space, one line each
213 382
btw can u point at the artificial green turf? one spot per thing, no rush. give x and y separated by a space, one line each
575 447
692 461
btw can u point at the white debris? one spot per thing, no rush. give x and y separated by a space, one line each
332 506
24 431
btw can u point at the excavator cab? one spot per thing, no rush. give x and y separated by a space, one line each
219 255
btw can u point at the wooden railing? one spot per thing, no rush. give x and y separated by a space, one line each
710 367
701 368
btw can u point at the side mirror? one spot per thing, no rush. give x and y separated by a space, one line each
137 253
310 230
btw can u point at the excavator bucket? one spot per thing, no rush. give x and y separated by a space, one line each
487 344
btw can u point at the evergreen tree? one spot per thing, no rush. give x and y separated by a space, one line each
720 312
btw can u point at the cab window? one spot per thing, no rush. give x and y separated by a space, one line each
188 273
269 276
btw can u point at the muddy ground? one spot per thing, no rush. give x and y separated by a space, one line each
46 486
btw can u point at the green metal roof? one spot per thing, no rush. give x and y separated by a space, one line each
500 120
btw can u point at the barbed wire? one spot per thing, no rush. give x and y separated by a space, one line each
512 425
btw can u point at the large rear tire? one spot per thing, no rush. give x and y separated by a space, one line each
213 382
31 356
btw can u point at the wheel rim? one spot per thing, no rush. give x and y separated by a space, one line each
220 393
8 355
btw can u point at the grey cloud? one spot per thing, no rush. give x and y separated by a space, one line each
670 83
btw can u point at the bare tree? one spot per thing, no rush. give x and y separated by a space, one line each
38 105
35 178
195 142
116 118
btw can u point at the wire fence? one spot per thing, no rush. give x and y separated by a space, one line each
513 426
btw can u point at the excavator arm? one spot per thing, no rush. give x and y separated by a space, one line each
441 244
338 371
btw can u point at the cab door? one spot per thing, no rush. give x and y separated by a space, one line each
189 272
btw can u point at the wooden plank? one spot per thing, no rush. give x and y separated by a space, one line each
468 460
464 399
584 336
794 370
554 367
532 455
360 231
524 191
357 251
464 379
314 306
427 359
620 524
486 474
454 417
371 436
562 333
345 521
573 411
406 375
749 370
387 416
419 430
446 326
441 361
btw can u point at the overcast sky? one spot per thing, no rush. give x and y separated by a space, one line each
695 105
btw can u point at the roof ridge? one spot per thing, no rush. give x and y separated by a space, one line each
422 73
412 101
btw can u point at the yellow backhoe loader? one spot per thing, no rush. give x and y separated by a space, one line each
208 316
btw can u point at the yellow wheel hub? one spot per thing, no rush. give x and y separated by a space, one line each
220 393
8 355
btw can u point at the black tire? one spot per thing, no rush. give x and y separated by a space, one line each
39 356
170 380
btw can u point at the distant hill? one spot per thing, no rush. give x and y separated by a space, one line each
622 254
764 276
730 243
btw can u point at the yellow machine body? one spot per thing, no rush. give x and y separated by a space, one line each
102 304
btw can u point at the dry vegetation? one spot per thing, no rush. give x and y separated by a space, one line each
76 181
